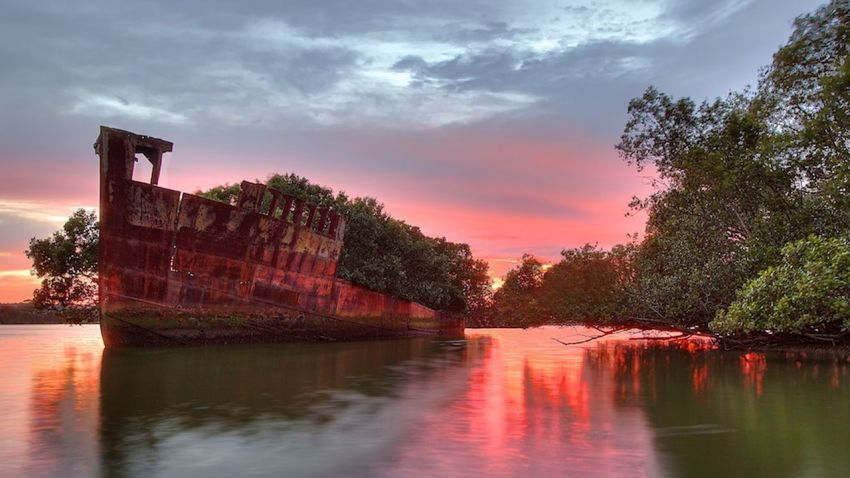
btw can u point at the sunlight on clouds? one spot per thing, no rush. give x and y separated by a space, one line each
40 212
434 107
714 17
382 48
19 221
389 77
580 22
544 45
109 106
362 98
19 273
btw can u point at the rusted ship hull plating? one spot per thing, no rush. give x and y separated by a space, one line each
179 269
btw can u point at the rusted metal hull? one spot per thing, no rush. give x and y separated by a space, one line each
144 328
179 269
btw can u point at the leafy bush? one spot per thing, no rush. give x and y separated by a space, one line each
517 302
809 288
588 284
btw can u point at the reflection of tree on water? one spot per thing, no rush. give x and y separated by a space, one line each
507 400
63 414
531 408
719 414
150 397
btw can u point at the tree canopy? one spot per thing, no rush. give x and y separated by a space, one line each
748 221
66 263
742 176
588 284
808 292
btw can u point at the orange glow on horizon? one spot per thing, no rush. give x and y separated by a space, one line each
503 194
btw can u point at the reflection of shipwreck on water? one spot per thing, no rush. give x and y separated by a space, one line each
180 269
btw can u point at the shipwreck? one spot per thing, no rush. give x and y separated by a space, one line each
180 269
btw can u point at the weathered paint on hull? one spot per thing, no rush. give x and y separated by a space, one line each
130 330
179 269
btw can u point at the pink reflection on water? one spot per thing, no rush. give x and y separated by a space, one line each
753 365
520 404
63 410
533 407
49 397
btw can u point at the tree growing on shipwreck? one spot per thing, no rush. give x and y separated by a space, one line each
380 252
388 255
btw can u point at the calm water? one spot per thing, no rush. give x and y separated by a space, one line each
502 403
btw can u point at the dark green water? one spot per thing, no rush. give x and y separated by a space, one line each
502 403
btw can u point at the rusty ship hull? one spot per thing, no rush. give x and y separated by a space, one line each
180 269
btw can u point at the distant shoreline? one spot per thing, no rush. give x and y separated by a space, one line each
25 314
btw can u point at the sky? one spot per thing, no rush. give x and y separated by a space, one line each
488 122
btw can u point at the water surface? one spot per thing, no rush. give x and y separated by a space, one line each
502 403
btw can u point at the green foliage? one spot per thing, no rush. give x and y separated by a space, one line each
714 191
806 91
389 255
810 287
517 302
588 284
66 263
740 177
226 193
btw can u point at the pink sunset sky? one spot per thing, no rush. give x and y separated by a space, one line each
489 123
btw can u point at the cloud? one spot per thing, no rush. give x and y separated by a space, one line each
49 214
20 221
110 107
325 64
16 273
485 32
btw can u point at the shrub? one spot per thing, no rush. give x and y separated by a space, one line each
810 288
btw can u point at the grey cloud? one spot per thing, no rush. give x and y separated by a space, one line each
701 12
578 10
411 63
463 71
324 18
488 31
153 55
193 58
251 97
579 81
591 83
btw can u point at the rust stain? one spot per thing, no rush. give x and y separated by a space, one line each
180 269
